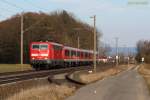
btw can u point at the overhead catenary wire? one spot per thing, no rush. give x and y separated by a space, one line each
2 16
11 4
33 25
33 4
8 10
16 6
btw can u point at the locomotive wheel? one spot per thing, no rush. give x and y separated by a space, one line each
36 67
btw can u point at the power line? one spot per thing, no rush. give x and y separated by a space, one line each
33 25
8 10
2 16
32 4
11 4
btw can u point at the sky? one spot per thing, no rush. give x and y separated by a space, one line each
114 18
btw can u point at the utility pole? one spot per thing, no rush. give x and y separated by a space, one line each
21 46
78 42
94 49
124 54
128 56
117 57
78 38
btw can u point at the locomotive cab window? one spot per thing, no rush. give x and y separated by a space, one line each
35 46
44 46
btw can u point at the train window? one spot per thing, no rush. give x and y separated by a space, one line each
86 54
43 46
90 55
66 52
73 53
78 54
56 47
35 46
81 53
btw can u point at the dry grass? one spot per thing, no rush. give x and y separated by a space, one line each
11 89
144 70
88 78
14 67
49 92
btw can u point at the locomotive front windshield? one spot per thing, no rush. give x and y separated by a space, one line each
40 46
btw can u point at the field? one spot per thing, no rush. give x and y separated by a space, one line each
47 92
14 67
38 89
144 70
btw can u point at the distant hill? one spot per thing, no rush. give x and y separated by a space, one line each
60 26
124 50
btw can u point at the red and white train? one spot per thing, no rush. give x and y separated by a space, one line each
50 54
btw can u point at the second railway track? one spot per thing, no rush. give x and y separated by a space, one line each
26 75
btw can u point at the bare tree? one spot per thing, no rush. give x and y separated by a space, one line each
104 49
143 50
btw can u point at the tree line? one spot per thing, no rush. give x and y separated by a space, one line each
143 50
58 26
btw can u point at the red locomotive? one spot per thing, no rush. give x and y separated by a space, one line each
50 54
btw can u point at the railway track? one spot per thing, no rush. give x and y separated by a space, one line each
31 74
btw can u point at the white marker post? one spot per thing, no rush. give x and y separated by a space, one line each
142 59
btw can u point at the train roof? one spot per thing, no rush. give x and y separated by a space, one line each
56 43
84 50
70 48
66 47
53 43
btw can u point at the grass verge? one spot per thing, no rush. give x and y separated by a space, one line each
14 67
88 78
144 70
8 90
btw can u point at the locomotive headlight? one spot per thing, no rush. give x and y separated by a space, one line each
33 58
34 54
46 58
44 54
